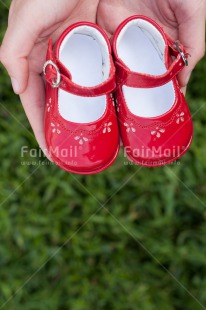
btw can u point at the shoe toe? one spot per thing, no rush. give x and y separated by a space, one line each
160 145
84 154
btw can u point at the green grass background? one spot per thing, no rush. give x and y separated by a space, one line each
129 238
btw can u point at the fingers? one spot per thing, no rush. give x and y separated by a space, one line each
184 90
33 100
19 39
192 36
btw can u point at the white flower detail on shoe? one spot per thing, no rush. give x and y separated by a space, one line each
118 107
129 127
81 139
55 128
180 118
113 100
107 127
158 132
49 105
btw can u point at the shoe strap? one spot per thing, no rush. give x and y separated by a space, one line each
57 75
139 80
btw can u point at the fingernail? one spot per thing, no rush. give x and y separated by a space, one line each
15 85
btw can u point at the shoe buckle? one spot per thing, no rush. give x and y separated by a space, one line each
55 83
183 55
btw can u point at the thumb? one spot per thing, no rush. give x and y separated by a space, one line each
17 68
17 44
193 58
192 36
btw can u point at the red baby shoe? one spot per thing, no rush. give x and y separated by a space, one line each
154 119
80 119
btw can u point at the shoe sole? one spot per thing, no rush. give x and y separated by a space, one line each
64 167
162 162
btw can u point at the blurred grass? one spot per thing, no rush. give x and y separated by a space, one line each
129 238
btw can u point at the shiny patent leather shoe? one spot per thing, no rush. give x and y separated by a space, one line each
154 119
81 129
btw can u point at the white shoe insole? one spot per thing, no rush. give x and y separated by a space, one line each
140 55
82 56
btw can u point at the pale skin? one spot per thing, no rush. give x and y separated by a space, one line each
23 50
33 22
182 20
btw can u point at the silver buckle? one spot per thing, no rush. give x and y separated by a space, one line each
178 48
56 83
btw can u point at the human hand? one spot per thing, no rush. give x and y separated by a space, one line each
182 20
23 50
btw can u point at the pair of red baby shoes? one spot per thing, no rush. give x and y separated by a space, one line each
93 98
